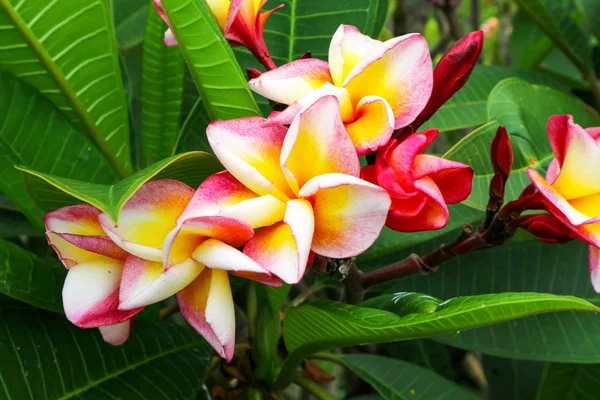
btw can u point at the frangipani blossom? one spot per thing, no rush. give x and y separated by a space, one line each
381 86
95 264
420 184
176 250
241 22
571 190
311 173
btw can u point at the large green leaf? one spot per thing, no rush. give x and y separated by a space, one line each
591 12
468 107
43 356
213 66
52 192
553 17
130 19
524 110
528 45
15 224
424 352
28 278
570 382
395 379
511 379
334 324
33 133
163 71
517 267
192 135
66 50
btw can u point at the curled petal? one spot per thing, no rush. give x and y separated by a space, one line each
348 47
402 158
116 334
594 266
293 81
453 179
578 156
91 294
398 71
374 125
146 282
284 248
317 131
207 305
251 153
147 217
349 214
218 255
547 228
223 195
77 237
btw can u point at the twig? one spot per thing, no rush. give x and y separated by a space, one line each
168 311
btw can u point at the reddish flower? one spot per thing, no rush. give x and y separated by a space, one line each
420 184
547 228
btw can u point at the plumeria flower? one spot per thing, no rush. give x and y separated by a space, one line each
95 264
311 170
420 184
241 22
381 86
571 190
177 250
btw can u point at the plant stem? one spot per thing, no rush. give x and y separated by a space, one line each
168 311
314 389
328 357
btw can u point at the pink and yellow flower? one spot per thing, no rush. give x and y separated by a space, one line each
420 184
571 190
241 22
95 264
180 245
309 174
381 86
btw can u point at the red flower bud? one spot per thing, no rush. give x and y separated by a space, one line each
547 228
253 73
501 153
451 73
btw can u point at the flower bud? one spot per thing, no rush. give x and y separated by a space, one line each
547 228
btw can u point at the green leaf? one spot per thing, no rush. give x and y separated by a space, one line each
33 133
43 356
130 19
28 278
192 135
52 192
15 224
528 45
395 379
553 17
468 107
517 267
336 324
426 353
163 71
591 12
511 379
570 382
66 50
218 76
524 110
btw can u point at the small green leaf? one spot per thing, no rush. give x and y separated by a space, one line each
336 324
570 382
51 192
28 278
399 380
512 379
130 19
219 79
162 92
44 356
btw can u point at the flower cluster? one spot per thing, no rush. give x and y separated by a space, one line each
570 193
292 188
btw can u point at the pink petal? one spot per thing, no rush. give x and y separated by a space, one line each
223 195
594 266
251 152
146 282
116 334
453 179
348 47
399 71
284 248
207 305
218 255
91 294
317 131
169 39
293 81
147 217
349 214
